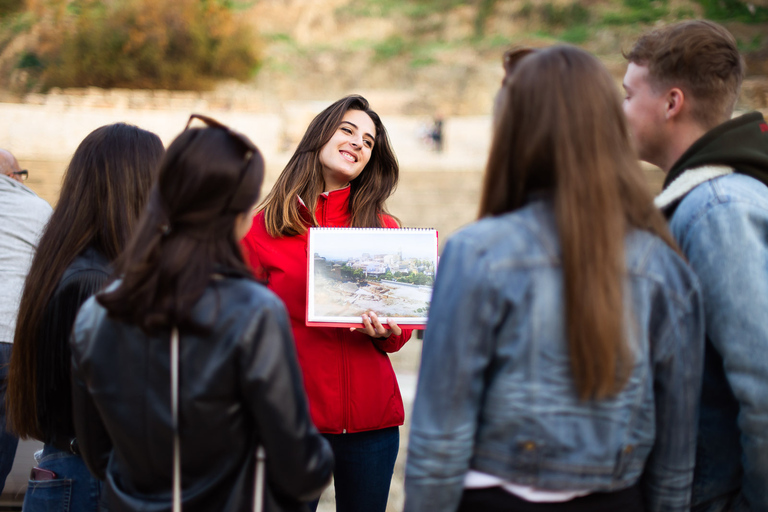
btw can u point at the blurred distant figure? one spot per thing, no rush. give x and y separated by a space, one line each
682 83
22 218
563 355
437 134
104 189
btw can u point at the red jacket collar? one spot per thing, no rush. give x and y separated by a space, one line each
332 208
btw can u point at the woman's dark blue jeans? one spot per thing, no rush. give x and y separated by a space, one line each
363 469
73 489
8 441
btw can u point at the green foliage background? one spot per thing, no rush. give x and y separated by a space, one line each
190 44
179 44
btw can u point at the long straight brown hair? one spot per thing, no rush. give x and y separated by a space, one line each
560 127
303 176
103 192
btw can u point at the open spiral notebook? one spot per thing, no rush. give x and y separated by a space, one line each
352 271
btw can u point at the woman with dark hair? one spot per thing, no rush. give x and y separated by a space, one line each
103 192
563 355
340 175
186 365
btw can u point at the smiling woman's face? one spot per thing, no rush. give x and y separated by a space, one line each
347 153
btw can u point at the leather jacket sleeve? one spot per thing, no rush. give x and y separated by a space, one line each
54 404
93 440
299 459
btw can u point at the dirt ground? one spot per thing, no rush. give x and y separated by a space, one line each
337 298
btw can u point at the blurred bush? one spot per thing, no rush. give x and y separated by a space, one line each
556 14
171 44
10 6
735 10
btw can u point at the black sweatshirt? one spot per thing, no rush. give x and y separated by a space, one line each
741 143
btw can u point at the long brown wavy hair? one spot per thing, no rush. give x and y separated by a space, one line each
560 128
303 176
103 192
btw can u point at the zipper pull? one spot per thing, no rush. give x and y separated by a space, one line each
343 431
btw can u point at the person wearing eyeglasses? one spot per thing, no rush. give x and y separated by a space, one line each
9 166
340 175
183 283
103 191
23 216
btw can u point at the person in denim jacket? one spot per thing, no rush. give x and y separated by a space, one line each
682 82
563 355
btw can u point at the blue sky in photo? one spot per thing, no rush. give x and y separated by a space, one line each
341 243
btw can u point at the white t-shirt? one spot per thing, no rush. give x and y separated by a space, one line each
479 480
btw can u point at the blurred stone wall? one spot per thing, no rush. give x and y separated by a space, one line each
438 190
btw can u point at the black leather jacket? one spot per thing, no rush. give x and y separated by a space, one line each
85 276
240 386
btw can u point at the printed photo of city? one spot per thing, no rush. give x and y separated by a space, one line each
388 271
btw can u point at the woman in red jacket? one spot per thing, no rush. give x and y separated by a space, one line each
340 175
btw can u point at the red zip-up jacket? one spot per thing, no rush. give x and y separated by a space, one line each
348 377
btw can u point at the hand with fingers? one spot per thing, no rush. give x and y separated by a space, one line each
375 329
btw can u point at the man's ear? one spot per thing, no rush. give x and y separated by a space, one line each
675 102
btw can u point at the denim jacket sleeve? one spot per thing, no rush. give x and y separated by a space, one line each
457 348
678 356
726 243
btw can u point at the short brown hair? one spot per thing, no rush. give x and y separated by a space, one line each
700 57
